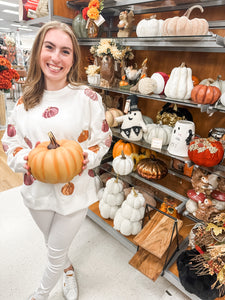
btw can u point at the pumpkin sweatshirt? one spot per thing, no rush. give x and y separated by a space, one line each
70 113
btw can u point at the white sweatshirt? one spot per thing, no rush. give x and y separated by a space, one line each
68 113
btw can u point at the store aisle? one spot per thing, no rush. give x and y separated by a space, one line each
102 262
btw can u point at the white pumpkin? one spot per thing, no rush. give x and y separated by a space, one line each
128 218
114 185
149 27
180 84
222 99
123 164
110 116
107 211
113 199
218 83
154 84
162 132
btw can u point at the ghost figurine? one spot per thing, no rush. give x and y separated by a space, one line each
182 134
133 125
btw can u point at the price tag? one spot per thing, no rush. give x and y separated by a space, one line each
156 143
99 21
127 106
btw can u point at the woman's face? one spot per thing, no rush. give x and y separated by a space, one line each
56 58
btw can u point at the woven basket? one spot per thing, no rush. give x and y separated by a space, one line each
42 8
2 111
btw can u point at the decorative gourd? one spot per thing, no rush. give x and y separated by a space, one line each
79 26
169 115
123 164
127 148
149 27
110 116
206 152
57 162
112 198
184 26
163 132
179 85
128 218
152 168
195 80
205 94
155 84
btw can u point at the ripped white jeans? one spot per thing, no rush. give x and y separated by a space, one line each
59 232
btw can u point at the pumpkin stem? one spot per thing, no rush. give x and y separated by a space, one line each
117 178
189 10
153 17
182 65
53 144
135 194
123 155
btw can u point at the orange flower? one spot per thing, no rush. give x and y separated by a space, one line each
93 13
94 3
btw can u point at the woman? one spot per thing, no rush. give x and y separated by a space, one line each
53 101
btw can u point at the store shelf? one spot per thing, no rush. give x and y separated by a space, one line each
206 43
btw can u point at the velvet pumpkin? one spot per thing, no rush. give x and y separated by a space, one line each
127 148
57 161
205 94
206 152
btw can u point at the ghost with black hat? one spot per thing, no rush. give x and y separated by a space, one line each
132 126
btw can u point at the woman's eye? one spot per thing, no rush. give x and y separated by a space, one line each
48 46
66 52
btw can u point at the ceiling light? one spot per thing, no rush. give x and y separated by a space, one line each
8 4
1 19
10 11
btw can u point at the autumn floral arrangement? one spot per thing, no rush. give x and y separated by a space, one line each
113 48
93 10
7 74
209 241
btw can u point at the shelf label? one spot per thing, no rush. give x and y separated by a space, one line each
156 143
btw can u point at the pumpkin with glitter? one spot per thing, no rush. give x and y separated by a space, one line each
206 152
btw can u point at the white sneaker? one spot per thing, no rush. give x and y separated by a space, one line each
70 289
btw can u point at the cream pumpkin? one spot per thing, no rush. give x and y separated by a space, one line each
110 116
123 164
178 26
162 132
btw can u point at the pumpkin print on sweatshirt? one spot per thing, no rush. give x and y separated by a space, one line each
20 101
108 141
11 130
50 112
17 150
83 136
5 147
105 126
91 173
94 148
91 94
28 179
67 189
28 142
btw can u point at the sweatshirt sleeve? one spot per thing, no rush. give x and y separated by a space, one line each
100 135
14 145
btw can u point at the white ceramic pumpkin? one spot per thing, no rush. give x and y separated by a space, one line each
155 84
149 27
110 116
114 185
123 164
162 132
179 26
180 84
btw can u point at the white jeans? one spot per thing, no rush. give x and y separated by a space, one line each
59 232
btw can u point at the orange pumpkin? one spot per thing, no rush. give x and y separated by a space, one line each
57 161
127 148
195 80
205 94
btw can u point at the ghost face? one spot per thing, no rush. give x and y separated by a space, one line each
131 127
181 136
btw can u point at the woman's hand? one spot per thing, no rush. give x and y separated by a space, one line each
26 165
85 162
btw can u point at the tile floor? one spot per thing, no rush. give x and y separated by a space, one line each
102 262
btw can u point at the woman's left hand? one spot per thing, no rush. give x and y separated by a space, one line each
85 162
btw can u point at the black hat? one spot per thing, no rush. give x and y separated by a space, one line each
133 103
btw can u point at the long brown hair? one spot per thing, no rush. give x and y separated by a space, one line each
34 84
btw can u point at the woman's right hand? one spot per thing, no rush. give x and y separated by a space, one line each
26 166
